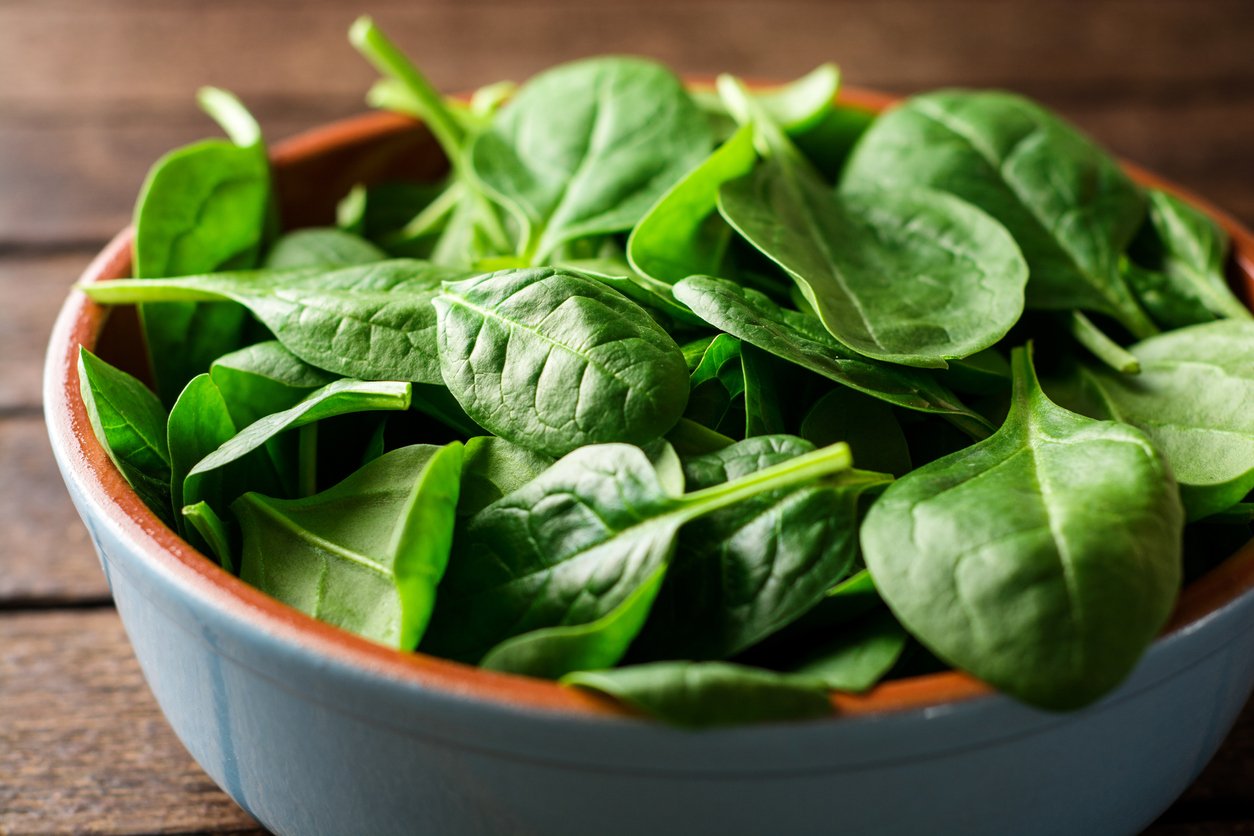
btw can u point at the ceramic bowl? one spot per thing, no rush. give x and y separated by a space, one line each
314 730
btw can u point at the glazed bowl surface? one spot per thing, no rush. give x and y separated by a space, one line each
314 730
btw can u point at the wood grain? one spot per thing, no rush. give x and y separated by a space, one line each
83 747
47 556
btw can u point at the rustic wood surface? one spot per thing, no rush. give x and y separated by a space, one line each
92 92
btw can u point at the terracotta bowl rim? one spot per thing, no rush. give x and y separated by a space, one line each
88 467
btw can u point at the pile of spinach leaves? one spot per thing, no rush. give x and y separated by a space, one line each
712 402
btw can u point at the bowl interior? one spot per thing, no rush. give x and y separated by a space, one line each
313 171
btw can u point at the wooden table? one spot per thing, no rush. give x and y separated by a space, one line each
91 92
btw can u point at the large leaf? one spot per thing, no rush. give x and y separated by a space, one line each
744 572
1069 206
572 545
858 656
683 234
264 378
1195 398
493 468
914 277
709 694
372 321
321 247
339 398
1043 560
586 148
202 207
365 555
1189 252
802 340
129 422
554 360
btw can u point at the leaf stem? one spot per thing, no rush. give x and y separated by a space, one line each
231 115
827 461
1102 346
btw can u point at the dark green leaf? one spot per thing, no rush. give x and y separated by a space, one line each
1043 560
867 425
129 423
708 694
321 247
801 340
372 321
494 468
1069 206
553 360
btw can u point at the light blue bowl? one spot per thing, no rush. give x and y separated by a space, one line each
312 730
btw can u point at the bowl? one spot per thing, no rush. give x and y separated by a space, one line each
314 730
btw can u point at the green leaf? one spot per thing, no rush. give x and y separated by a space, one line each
365 555
338 398
553 360
708 694
321 247
264 378
209 526
1195 398
1069 206
744 572
1042 560
1190 250
570 546
859 656
199 423
913 277
866 424
798 106
802 340
683 234
494 468
553 652
371 321
202 207
129 423
587 147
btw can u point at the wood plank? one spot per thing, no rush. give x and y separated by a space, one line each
83 747
76 182
47 556
71 691
267 48
33 289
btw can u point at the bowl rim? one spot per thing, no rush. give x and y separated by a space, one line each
87 466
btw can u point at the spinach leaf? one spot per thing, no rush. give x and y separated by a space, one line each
198 424
264 378
1169 302
202 207
570 546
801 340
553 360
321 247
867 425
857 657
372 321
129 423
853 253
708 694
744 572
494 468
586 148
1190 250
365 555
1043 560
692 439
379 212
1069 206
338 398
683 234
553 652
983 373
1195 398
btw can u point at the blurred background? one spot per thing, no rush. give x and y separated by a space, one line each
93 91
